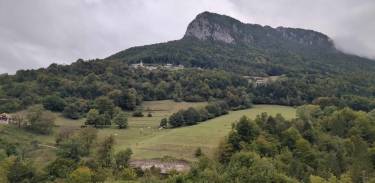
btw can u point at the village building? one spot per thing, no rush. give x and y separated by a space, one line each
168 66
137 65
178 67
5 118
152 68
261 81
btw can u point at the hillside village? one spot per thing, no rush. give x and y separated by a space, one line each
167 66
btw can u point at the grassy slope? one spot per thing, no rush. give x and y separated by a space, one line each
182 142
152 142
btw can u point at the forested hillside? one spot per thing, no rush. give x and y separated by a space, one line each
308 65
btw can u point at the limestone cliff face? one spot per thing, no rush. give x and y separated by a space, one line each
306 38
203 29
211 26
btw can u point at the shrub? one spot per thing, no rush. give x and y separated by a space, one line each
137 113
198 152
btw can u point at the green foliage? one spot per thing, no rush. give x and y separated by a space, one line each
21 171
198 152
290 137
61 167
72 148
191 116
121 120
163 122
81 175
177 119
247 129
122 158
137 113
53 103
40 121
87 135
71 111
127 174
105 150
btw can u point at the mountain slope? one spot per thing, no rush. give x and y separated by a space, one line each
215 41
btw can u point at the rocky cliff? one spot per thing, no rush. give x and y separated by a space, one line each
211 26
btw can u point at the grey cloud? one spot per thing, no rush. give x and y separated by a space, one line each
37 33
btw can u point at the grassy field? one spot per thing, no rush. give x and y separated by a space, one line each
147 141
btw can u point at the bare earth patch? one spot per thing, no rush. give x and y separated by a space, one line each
164 166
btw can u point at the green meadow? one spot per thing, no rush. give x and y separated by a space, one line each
145 138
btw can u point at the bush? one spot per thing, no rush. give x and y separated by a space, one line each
149 114
137 113
198 152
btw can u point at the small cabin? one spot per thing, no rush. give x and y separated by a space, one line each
5 118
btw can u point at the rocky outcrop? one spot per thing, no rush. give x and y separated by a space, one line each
305 37
202 29
211 26
164 166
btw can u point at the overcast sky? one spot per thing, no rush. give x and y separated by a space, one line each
36 33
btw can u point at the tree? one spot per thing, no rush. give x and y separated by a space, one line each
106 118
128 101
19 117
121 120
5 165
21 172
34 113
71 148
104 104
81 175
163 122
177 119
105 149
61 167
247 129
122 158
65 133
115 95
290 137
53 103
47 121
304 151
116 111
191 116
71 111
93 117
88 135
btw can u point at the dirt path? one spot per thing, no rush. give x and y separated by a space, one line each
164 166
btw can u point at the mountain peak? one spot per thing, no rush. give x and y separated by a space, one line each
215 27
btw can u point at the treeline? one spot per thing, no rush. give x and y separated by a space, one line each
75 89
192 116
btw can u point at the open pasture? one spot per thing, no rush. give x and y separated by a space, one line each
145 138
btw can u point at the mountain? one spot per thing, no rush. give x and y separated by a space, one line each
309 68
214 41
210 26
